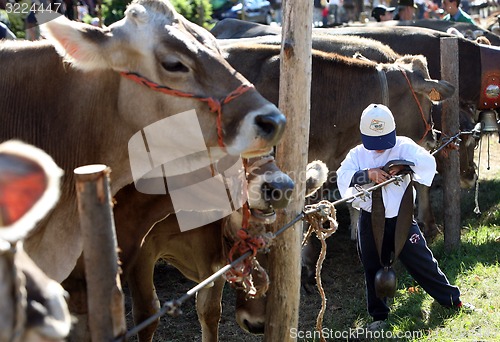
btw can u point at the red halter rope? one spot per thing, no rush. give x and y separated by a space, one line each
215 105
247 242
428 127
242 273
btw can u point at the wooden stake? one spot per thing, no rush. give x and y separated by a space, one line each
105 298
451 126
292 153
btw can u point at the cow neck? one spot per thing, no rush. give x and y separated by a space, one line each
428 127
214 104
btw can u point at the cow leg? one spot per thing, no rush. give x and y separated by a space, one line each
354 216
425 216
76 286
310 255
209 309
145 302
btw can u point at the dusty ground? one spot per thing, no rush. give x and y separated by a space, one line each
342 278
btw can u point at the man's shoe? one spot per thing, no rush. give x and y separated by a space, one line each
377 326
466 307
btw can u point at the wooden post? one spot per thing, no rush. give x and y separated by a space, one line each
295 84
451 126
105 298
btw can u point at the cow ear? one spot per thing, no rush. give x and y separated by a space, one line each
316 176
436 90
79 43
29 188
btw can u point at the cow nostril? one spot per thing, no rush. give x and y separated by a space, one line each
271 126
278 195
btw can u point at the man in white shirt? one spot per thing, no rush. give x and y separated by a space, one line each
386 225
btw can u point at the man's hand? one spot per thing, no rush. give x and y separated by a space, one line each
395 169
377 175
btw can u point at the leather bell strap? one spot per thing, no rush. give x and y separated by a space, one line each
403 222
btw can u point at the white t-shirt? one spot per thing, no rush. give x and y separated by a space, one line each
359 158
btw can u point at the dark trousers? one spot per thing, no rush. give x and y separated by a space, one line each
415 256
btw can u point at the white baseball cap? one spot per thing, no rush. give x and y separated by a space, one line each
377 126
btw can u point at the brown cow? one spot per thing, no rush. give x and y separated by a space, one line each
201 252
84 107
135 213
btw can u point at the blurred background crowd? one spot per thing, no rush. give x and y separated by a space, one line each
22 23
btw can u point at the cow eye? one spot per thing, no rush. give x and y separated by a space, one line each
174 66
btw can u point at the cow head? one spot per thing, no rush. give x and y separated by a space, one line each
251 312
171 66
269 188
419 91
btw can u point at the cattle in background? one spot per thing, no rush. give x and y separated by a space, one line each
340 93
325 41
32 306
82 108
235 28
473 58
403 40
199 253
469 31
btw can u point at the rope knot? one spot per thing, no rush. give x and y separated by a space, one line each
213 104
245 273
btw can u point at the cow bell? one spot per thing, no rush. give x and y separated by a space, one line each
385 282
488 119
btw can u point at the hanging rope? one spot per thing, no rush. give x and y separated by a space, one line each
323 212
477 211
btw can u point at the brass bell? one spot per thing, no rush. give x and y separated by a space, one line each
488 119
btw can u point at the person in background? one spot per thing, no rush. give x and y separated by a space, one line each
387 229
455 13
5 33
383 13
334 6
406 10
318 13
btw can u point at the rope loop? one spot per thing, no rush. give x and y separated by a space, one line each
325 212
